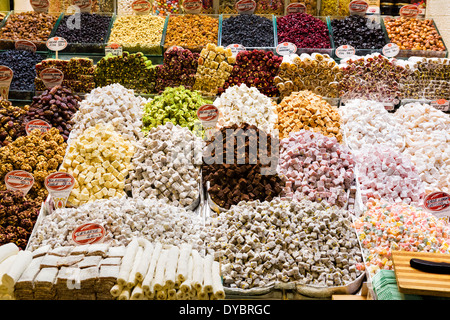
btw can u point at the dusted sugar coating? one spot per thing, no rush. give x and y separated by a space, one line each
385 226
94 28
12 123
56 106
22 63
177 105
279 241
18 215
191 31
358 31
39 154
306 110
251 31
240 174
303 30
315 167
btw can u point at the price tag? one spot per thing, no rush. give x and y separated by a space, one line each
438 203
345 51
441 104
141 7
114 49
235 48
19 180
6 76
245 6
296 8
84 5
286 49
208 114
391 50
25 45
409 11
51 77
40 5
88 233
56 44
37 124
358 7
59 186
192 6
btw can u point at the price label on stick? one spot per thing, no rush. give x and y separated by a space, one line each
409 11
345 51
6 76
358 7
25 45
441 104
19 180
208 115
37 124
56 44
114 49
235 48
88 233
51 77
391 50
59 186
438 203
40 5
84 5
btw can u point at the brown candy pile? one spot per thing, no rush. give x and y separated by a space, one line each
231 183
12 124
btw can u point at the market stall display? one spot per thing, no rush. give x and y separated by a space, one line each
11 122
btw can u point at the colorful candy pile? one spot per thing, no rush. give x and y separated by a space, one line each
385 227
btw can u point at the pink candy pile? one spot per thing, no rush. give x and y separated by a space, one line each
384 173
315 167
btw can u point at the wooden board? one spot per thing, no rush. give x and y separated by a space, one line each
413 281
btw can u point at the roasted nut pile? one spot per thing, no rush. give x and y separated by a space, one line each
123 218
414 34
166 165
203 29
306 110
99 160
241 178
178 69
214 67
138 33
114 105
243 104
78 73
255 68
315 167
177 105
22 63
94 28
30 25
262 243
251 31
132 70
303 30
18 215
317 72
57 107
39 154
12 123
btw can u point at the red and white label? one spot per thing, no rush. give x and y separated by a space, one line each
25 45
40 5
245 6
19 180
6 76
358 7
59 185
141 7
391 50
437 201
441 104
286 48
88 233
192 6
296 8
208 114
56 44
37 124
51 77
409 11
114 49
235 48
345 51
84 5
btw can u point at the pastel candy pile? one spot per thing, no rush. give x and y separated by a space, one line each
369 123
427 136
386 174
315 167
386 226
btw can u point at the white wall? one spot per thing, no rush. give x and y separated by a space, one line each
439 10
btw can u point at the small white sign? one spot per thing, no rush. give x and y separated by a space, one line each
345 51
